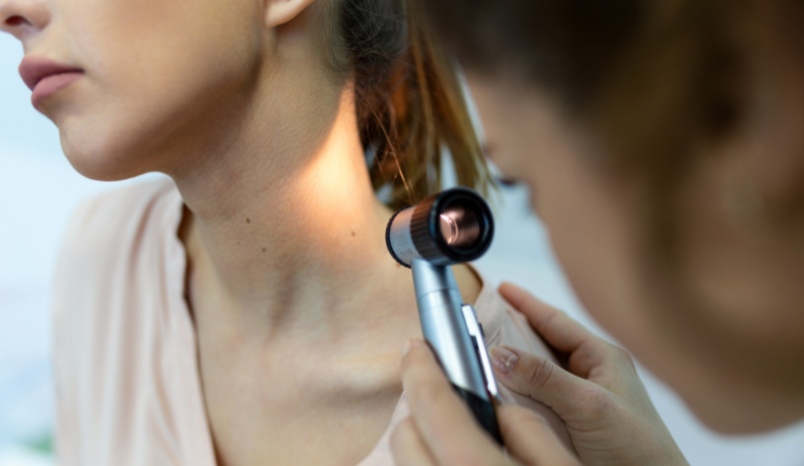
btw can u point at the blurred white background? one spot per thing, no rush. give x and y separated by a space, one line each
39 190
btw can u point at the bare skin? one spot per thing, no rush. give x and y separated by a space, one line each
298 331
299 309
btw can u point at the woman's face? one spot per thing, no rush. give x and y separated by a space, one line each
154 74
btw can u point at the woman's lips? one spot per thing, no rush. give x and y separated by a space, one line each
46 77
52 84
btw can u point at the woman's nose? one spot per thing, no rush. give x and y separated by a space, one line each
24 18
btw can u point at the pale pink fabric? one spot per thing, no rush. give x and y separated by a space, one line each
127 381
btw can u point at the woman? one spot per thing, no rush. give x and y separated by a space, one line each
245 312
670 171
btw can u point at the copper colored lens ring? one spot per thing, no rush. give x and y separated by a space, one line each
447 228
459 226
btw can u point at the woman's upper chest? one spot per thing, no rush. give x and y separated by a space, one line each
282 403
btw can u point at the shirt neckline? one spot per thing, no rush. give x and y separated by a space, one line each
205 456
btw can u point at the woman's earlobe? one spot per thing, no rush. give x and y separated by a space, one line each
279 12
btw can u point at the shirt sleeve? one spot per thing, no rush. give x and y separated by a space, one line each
66 280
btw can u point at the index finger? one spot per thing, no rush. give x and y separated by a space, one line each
557 329
447 427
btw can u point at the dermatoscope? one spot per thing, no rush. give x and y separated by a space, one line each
445 229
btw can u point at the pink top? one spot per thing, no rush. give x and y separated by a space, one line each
126 373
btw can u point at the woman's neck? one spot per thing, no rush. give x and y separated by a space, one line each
284 227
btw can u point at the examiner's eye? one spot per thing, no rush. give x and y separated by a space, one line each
490 151
507 182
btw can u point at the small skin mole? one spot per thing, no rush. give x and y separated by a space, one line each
248 220
263 249
353 234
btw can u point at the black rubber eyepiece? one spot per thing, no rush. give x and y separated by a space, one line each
453 226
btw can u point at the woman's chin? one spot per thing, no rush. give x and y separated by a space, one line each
103 162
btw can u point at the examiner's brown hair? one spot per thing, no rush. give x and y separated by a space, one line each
653 79
410 102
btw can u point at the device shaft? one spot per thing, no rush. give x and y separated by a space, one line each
445 328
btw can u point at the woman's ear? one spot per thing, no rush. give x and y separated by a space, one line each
279 12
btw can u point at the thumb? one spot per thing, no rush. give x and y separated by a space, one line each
538 378
531 439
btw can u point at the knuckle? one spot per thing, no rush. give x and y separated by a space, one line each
426 395
622 357
547 322
538 372
412 358
622 354
597 402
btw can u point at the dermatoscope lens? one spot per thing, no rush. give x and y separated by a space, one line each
447 228
459 226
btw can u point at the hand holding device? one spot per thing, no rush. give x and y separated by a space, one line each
600 397
605 407
440 431
444 229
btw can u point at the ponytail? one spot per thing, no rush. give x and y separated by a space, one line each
409 99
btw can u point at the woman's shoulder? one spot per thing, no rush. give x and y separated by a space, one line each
108 214
504 325
103 227
113 241
123 345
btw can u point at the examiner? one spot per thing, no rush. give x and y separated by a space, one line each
662 142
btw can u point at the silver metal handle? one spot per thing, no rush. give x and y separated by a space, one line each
476 332
452 330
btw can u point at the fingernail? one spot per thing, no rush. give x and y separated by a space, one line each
503 359
407 347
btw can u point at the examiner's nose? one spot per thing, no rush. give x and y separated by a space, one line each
24 18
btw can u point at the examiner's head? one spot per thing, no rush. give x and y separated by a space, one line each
664 147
